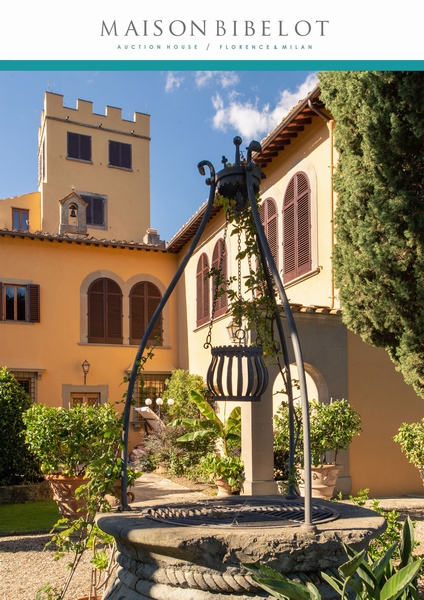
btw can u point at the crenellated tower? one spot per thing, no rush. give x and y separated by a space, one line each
102 159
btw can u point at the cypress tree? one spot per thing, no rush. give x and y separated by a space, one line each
378 257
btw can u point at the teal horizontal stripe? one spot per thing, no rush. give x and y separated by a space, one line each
212 65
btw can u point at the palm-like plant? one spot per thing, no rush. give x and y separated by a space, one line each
211 425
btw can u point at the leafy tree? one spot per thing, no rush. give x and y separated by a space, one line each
379 220
179 386
17 463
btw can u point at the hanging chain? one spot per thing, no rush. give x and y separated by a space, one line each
218 284
240 334
255 292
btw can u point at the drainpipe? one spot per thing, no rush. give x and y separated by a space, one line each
331 125
318 112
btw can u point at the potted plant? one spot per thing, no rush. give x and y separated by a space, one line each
225 471
78 450
411 440
332 427
73 446
220 466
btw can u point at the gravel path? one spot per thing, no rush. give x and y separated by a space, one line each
25 564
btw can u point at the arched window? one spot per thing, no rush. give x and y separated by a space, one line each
297 227
269 218
104 312
144 300
219 262
202 291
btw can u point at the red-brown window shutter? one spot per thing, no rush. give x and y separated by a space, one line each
113 313
33 303
1 302
104 312
296 227
219 262
202 291
269 219
144 300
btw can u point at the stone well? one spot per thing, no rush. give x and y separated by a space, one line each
161 559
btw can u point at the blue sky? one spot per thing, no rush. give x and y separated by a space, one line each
194 116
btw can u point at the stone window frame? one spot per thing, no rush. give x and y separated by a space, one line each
68 389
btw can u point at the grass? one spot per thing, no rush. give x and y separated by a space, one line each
33 516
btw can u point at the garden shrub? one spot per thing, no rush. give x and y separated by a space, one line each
17 463
161 449
178 387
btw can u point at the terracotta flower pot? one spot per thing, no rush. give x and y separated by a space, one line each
324 479
224 488
63 489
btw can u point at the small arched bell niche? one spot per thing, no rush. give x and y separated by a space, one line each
73 218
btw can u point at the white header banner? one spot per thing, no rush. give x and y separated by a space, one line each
218 31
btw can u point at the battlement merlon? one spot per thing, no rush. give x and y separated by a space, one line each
83 115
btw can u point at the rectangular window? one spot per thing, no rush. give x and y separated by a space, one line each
15 303
92 399
20 219
95 212
20 302
79 146
151 385
120 155
28 381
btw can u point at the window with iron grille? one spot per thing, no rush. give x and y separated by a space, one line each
79 146
144 300
296 228
27 379
91 399
120 155
150 385
104 312
203 285
19 303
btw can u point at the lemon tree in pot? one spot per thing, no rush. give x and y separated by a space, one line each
411 439
79 453
332 428
223 467
75 447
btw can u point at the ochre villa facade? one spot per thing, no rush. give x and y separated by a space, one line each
82 272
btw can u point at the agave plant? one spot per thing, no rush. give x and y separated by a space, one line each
383 579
